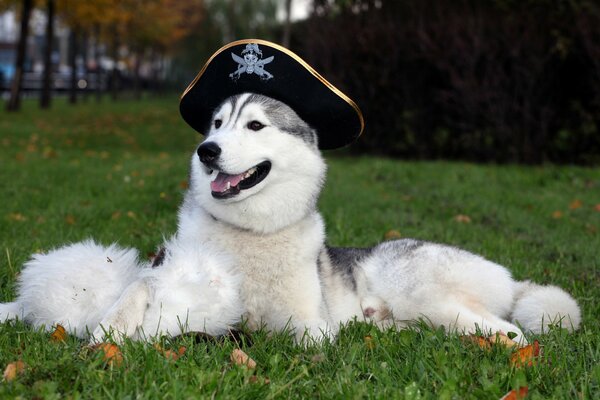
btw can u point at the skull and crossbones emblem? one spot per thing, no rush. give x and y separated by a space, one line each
251 63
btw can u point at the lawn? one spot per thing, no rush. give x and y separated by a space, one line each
117 171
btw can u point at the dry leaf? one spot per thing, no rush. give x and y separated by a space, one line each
480 341
171 355
369 342
13 369
526 356
59 334
557 214
463 219
112 353
392 234
238 357
597 207
69 219
516 394
575 204
17 217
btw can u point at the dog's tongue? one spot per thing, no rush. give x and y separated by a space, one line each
222 179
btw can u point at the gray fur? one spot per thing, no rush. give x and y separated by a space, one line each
345 259
280 115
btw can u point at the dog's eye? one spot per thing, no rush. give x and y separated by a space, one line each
255 126
218 123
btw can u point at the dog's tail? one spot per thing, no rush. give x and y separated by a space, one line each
538 307
9 311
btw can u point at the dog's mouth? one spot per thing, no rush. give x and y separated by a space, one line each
225 186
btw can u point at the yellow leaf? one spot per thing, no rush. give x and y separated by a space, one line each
59 334
69 219
369 342
463 219
238 357
480 341
392 234
13 369
17 217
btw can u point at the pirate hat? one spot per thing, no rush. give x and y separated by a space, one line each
262 67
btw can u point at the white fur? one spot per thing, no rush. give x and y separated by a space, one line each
89 288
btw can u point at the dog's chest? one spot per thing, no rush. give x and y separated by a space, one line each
279 269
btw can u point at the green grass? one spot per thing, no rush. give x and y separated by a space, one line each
116 172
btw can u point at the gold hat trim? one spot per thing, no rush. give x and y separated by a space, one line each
295 57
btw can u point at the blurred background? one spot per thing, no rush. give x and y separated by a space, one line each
487 81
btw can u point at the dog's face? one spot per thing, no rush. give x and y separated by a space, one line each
259 167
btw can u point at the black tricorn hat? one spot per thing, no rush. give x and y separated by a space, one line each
259 66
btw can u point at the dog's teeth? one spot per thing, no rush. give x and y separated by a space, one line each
249 172
228 186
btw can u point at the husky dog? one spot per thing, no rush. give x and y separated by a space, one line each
253 190
89 288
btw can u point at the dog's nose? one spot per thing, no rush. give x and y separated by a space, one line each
208 152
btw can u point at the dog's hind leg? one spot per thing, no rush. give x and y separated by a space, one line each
10 311
127 314
460 318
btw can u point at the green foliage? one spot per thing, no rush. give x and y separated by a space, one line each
116 172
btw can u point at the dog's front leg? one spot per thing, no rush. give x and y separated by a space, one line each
127 314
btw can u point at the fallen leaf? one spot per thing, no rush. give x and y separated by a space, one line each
13 369
597 207
392 234
557 214
171 355
17 217
59 334
480 341
369 342
526 356
463 219
69 219
111 353
575 204
238 357
516 394
184 184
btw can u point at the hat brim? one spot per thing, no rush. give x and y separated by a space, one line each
287 78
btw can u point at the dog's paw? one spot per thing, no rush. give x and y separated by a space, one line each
313 333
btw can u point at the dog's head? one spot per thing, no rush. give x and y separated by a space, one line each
259 167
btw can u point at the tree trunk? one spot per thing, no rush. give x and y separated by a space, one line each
73 62
137 90
287 26
98 87
14 103
46 95
84 59
115 71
